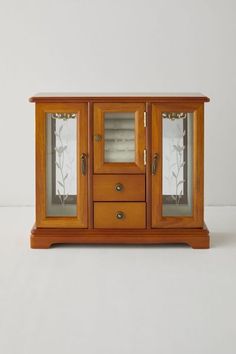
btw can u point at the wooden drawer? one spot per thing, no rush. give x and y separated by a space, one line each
120 215
119 188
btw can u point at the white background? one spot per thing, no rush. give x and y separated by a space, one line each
117 300
115 46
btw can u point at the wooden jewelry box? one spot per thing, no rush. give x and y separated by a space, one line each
119 169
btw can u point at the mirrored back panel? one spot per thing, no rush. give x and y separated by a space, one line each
119 136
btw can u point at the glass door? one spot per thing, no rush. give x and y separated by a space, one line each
177 165
119 138
61 163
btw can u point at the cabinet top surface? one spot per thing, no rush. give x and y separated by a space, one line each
72 97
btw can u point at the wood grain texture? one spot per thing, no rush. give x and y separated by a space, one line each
133 188
118 97
194 237
105 215
90 166
148 166
196 220
100 166
82 181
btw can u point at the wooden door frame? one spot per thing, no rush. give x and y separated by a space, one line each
79 221
196 220
140 138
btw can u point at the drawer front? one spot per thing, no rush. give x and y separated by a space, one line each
120 215
119 188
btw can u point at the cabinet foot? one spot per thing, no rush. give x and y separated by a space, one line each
39 242
199 242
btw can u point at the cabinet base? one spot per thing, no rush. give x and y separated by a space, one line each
46 237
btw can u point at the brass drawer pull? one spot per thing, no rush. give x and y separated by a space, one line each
120 215
83 158
155 163
119 187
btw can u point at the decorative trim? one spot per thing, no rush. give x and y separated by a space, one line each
174 115
64 116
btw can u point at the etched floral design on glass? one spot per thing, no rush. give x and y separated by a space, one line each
61 164
177 163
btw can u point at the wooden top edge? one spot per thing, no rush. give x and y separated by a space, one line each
73 97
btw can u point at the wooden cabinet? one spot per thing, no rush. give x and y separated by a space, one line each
119 169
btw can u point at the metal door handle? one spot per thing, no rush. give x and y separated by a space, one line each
83 158
155 163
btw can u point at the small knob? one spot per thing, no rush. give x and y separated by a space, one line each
119 187
120 215
98 137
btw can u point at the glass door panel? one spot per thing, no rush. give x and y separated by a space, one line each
177 160
177 164
61 163
119 138
61 166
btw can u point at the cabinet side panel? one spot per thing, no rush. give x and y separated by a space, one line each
40 149
198 187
